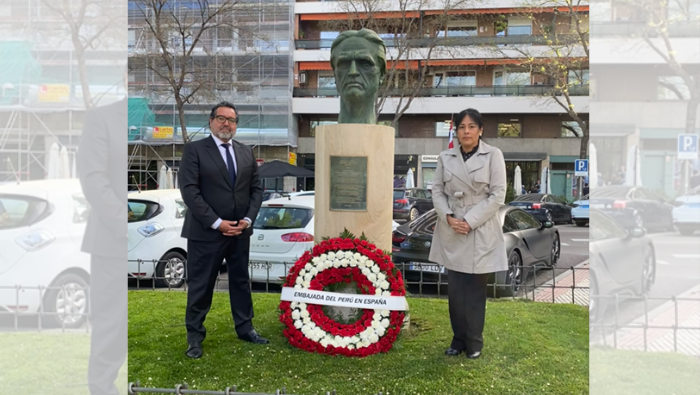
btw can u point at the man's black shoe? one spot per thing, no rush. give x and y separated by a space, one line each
253 337
474 355
194 350
451 352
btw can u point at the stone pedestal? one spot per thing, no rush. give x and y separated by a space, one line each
359 202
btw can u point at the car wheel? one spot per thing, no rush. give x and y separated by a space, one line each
548 216
556 251
413 214
66 301
170 271
509 283
595 307
686 230
648 272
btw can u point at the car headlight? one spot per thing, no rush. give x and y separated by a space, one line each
35 241
151 229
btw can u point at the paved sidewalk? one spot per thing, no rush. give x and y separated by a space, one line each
684 312
562 292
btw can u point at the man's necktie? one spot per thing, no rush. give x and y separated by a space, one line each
229 164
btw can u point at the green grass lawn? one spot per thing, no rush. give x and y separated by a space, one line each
530 348
616 372
47 363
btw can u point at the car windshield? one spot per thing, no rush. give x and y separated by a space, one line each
399 194
531 197
283 218
18 211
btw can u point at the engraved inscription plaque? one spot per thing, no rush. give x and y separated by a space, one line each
348 183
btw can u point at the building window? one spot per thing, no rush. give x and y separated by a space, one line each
571 129
442 129
673 88
519 27
529 173
503 77
455 78
460 29
578 77
326 80
509 129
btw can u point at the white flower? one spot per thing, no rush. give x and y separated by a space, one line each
375 269
366 272
305 329
340 254
305 314
302 306
381 331
331 256
353 262
362 344
316 260
362 259
324 257
298 324
300 280
298 286
325 342
386 293
375 324
355 339
374 338
308 267
345 263
296 315
385 322
308 277
372 277
306 320
312 325
377 292
377 315
356 256
336 264
314 272
306 284
385 313
334 343
327 264
381 277
384 285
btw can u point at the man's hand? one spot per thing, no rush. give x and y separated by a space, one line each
459 225
228 228
238 229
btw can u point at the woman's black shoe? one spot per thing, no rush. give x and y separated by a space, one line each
451 352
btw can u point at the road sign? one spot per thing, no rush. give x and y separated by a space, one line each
581 168
687 146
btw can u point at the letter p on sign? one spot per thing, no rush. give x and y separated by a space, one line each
687 146
581 168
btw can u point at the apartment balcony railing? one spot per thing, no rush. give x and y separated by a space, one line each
457 91
637 28
455 41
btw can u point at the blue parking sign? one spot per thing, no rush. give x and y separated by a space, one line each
581 168
687 146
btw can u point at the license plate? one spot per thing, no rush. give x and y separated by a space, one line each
255 265
426 267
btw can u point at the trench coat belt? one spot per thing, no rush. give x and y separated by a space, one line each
471 199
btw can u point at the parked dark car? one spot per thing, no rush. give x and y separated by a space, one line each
544 207
622 262
409 204
529 242
634 207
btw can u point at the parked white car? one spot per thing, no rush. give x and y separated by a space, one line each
42 224
686 214
282 232
579 213
155 246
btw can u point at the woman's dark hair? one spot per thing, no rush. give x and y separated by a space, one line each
473 114
212 115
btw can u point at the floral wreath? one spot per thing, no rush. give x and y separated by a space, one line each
343 260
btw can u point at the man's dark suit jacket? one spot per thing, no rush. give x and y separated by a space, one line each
101 167
206 189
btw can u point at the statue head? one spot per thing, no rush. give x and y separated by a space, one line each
358 59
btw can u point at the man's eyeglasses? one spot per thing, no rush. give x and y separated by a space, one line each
221 119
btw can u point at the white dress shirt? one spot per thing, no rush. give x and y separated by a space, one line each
222 151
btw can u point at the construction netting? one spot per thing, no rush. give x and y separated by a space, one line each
19 70
253 68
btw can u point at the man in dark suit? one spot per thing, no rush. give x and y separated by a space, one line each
101 167
220 186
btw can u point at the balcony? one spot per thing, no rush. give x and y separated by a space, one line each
636 28
453 41
458 91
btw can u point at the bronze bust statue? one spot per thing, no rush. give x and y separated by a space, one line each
358 59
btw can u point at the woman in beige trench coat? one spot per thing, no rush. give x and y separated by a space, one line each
468 189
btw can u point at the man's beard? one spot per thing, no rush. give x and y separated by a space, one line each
225 135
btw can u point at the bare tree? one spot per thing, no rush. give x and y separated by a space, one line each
413 34
560 58
92 25
180 44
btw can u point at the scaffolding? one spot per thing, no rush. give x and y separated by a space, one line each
41 101
258 51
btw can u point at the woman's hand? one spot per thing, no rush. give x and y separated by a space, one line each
459 225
